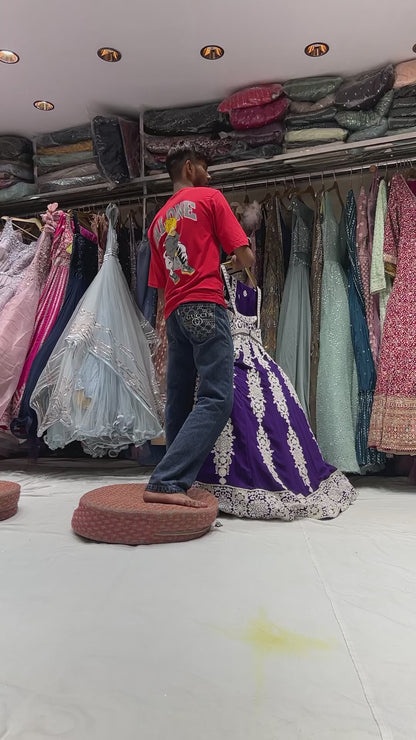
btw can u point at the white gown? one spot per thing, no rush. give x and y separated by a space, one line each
99 385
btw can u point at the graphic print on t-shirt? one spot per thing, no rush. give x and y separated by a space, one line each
175 255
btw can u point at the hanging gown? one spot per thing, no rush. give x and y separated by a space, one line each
17 258
366 372
337 390
50 301
294 329
317 264
82 271
364 260
381 282
17 323
266 463
393 420
273 276
99 385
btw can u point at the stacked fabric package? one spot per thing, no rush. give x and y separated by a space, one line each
199 125
256 115
364 103
88 154
402 117
312 117
66 159
16 168
247 125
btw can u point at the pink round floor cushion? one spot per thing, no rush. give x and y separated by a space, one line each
9 499
117 514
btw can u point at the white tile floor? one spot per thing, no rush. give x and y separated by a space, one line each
258 631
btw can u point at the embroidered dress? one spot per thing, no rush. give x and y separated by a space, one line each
99 386
15 258
266 463
393 420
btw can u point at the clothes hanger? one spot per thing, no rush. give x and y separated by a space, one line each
247 270
32 220
335 187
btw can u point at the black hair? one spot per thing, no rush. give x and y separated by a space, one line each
179 154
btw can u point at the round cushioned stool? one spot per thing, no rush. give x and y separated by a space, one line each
118 515
9 499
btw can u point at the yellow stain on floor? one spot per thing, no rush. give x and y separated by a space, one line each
266 637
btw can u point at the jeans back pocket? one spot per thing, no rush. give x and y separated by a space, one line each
198 320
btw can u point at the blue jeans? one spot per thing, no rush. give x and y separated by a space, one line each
199 345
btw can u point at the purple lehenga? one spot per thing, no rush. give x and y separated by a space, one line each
266 464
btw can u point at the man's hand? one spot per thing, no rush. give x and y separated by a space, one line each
242 257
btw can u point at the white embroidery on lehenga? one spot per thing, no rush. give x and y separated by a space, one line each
223 452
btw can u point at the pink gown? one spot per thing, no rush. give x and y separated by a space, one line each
18 318
393 419
50 301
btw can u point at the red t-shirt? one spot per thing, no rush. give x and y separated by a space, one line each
185 238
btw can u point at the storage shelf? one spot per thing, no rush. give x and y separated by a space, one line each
301 162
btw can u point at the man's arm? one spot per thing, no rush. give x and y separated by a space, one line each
242 257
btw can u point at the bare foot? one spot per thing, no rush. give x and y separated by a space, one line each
176 499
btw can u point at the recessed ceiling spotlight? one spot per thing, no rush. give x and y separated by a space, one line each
107 54
8 57
211 52
43 105
414 48
317 49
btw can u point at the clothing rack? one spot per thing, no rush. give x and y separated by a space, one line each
306 164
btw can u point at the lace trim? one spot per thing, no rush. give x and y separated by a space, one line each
223 452
333 496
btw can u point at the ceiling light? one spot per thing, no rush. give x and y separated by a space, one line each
107 54
212 51
43 105
8 57
414 48
317 49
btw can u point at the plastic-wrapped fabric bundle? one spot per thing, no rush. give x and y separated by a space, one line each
398 122
108 145
79 146
271 134
198 119
357 120
405 74
60 161
371 132
161 144
18 169
78 176
405 92
364 91
130 134
312 89
404 112
305 106
64 137
13 147
259 115
304 120
323 135
251 96
404 102
17 192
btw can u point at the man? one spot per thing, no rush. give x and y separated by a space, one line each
185 239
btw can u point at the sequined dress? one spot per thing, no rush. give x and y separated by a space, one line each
393 420
99 385
266 464
294 329
337 388
15 258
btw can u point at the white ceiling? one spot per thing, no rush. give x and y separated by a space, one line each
160 41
